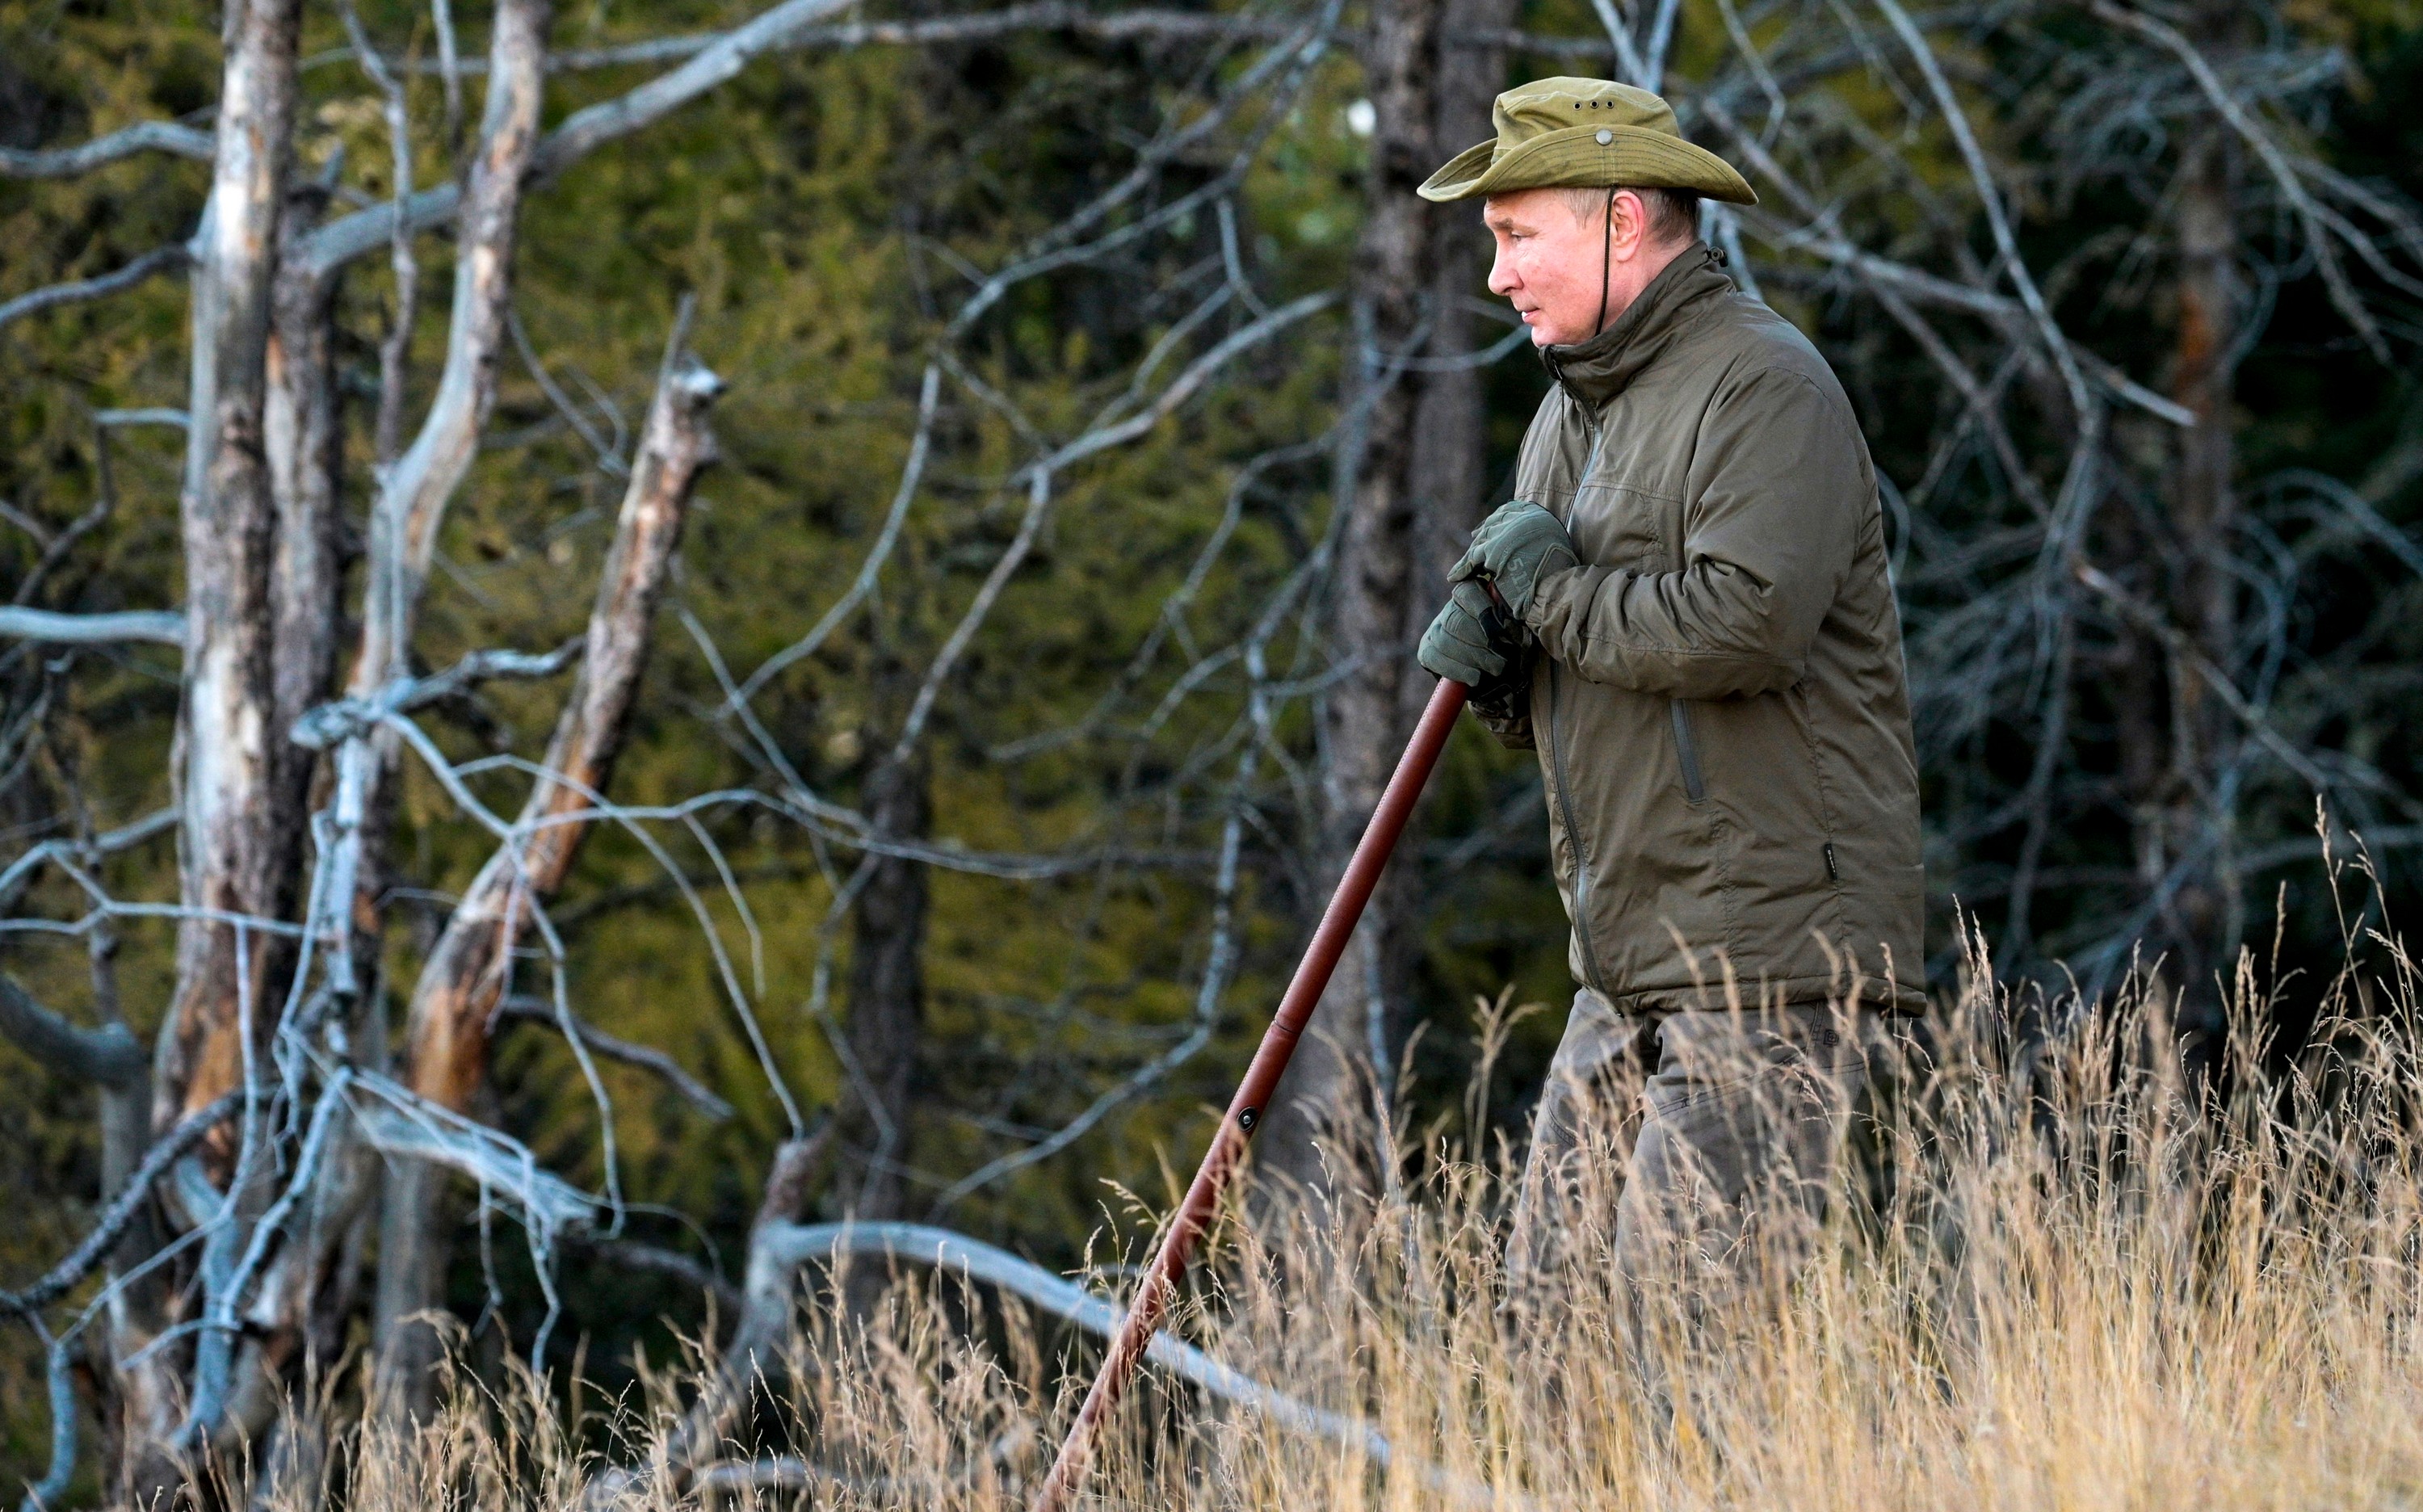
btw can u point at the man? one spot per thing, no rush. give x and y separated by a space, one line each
1685 609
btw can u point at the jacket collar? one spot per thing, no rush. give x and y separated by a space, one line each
1595 370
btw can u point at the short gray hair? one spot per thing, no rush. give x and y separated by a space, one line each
1673 214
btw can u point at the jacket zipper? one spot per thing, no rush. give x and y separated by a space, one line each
1687 749
1557 767
1574 838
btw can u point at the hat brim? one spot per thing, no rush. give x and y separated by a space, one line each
1575 158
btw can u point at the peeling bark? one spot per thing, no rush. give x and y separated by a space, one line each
305 437
455 1005
229 859
225 725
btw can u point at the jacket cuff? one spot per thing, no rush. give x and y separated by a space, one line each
1554 598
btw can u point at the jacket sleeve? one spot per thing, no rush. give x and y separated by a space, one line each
1781 482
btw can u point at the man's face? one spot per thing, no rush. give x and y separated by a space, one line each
1551 261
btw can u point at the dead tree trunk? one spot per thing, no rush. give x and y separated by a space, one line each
234 866
764 1320
887 979
413 492
2173 746
305 437
226 729
1411 482
454 1004
299 1311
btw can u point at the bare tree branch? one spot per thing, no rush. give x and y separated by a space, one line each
396 1123
128 141
1114 26
2144 618
109 1055
717 61
171 259
332 722
632 1255
158 822
413 493
157 627
164 1153
1820 239
777 1251
1989 199
448 1027
585 130
2283 173
537 1011
464 977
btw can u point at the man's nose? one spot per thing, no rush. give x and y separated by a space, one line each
1501 277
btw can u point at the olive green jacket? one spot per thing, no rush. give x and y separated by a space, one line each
1717 696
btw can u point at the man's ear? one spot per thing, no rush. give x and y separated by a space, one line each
1629 231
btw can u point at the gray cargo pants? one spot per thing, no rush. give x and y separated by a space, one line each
1687 1157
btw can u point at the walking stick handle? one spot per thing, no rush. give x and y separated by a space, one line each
1247 1107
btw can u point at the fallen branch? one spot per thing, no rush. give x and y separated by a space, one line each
777 1251
783 1473
464 977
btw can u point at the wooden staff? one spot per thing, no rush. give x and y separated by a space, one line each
1246 1109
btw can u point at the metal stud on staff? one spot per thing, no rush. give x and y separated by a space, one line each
1253 1096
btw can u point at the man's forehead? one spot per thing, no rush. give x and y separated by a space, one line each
1513 209
1518 208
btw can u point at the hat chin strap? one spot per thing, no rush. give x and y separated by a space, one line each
1605 259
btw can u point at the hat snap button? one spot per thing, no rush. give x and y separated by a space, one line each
1604 137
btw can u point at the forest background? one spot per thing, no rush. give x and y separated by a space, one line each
1103 411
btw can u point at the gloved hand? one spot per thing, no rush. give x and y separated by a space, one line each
1467 642
1519 543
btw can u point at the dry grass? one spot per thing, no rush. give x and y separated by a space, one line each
2089 1286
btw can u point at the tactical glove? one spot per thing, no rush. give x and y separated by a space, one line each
1515 547
1460 645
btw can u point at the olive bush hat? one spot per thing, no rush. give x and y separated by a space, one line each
1584 134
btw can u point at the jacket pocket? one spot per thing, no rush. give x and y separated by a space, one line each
1686 753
